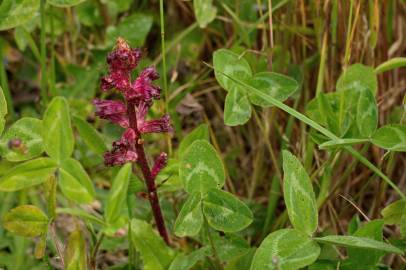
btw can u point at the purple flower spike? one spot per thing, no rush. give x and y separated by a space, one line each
123 57
112 110
160 163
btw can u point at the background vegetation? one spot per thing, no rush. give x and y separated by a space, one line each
58 48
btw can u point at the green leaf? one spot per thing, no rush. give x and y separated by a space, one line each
391 137
361 257
205 12
3 110
278 86
190 219
65 3
81 213
199 133
229 246
29 132
57 130
285 249
140 21
90 135
26 220
392 214
237 108
367 113
230 64
117 197
75 252
358 77
186 262
74 182
358 242
155 254
341 143
27 174
201 168
224 212
14 13
299 196
391 64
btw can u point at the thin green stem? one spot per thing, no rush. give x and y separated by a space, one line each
213 247
4 84
317 127
166 95
44 93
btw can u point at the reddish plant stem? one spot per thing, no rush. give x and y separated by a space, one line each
149 179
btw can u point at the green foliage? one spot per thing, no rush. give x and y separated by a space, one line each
391 137
14 13
155 254
358 242
3 110
224 212
26 220
199 133
299 196
57 131
237 108
90 135
28 174
116 199
125 29
65 3
395 213
205 12
201 168
186 262
392 63
28 132
285 249
75 252
357 77
190 218
278 86
367 113
74 182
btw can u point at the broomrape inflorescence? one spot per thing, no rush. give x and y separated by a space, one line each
131 115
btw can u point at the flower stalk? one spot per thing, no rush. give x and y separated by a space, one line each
131 115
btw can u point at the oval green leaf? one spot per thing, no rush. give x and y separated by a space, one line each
186 262
57 130
28 174
201 168
205 12
237 107
285 249
117 197
299 196
14 13
190 218
155 254
26 220
391 137
367 113
278 86
224 212
358 242
232 65
358 77
29 132
74 182
90 135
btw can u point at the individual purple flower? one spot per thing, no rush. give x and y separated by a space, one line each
112 110
119 79
156 125
142 88
159 164
123 57
123 150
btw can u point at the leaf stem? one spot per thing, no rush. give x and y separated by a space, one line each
148 177
44 94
